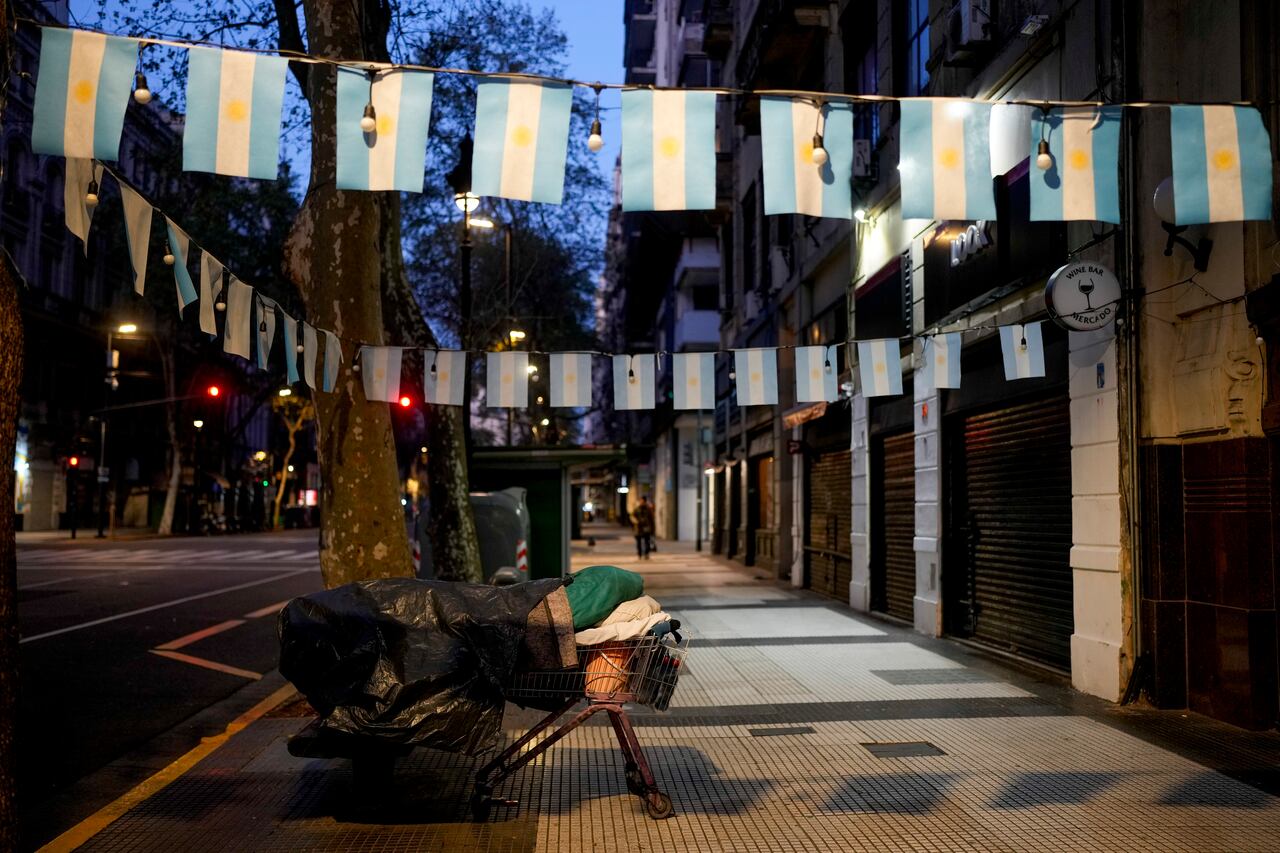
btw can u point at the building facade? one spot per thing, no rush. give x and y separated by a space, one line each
1115 520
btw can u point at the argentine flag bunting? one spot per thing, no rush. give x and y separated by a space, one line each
1023 350
82 92
210 287
570 379
290 328
1221 164
793 183
444 379
137 222
816 374
393 155
332 360
233 113
179 246
694 380
265 323
945 163
380 369
1083 181
633 381
75 187
506 380
942 360
880 367
668 150
310 347
235 331
756 376
522 138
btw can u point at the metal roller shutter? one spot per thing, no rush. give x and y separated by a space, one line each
1007 572
827 528
893 564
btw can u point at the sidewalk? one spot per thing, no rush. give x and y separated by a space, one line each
797 726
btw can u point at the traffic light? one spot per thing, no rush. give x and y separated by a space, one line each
73 462
406 401
213 390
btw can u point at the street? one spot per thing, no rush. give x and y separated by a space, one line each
123 641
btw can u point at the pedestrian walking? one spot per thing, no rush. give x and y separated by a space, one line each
642 522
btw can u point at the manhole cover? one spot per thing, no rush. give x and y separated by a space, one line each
909 749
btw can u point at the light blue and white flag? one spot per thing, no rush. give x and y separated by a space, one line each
332 360
86 80
235 330
570 379
668 150
264 322
179 246
233 113
942 360
1221 164
816 374
945 162
633 381
1023 350
137 230
393 155
1083 181
694 380
210 287
75 187
506 380
290 328
380 370
310 348
756 376
444 379
793 183
521 140
880 367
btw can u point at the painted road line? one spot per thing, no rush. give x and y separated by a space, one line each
77 835
162 605
207 664
69 578
201 634
269 610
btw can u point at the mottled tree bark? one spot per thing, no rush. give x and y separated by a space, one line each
455 549
175 447
332 256
11 354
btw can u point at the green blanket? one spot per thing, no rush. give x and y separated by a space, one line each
597 590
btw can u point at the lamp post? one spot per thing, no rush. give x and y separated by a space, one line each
113 366
460 180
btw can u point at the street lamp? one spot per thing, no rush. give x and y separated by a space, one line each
198 424
460 180
111 380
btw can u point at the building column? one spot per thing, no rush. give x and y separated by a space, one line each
860 527
928 487
799 473
1098 640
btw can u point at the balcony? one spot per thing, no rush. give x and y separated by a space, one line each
696 330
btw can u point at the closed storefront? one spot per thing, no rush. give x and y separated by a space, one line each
893 559
827 558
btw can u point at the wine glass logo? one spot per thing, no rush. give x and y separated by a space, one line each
1086 287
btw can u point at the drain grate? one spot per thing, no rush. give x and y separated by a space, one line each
785 730
908 749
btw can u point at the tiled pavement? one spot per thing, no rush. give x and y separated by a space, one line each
771 744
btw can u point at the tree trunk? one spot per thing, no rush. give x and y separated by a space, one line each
332 256
284 476
175 449
11 354
451 526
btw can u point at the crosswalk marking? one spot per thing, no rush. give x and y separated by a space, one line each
179 557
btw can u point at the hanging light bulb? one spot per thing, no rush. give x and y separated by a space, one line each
220 305
826 365
595 141
733 375
1044 160
370 119
355 367
433 368
141 91
631 376
168 256
91 194
819 155
1023 344
300 348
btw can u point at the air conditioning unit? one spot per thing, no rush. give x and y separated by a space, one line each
969 28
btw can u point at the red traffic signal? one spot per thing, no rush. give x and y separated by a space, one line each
406 402
73 462
213 390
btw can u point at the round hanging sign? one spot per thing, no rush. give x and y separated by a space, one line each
1082 295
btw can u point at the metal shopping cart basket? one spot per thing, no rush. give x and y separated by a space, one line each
642 671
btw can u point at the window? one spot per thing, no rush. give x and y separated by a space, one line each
704 297
750 241
913 27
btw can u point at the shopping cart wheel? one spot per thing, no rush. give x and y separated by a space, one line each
658 805
481 803
635 782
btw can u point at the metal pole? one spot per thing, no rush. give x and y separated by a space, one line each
464 333
102 442
697 465
506 265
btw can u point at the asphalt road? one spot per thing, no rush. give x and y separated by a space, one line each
123 641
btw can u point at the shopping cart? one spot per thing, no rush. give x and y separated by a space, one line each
643 671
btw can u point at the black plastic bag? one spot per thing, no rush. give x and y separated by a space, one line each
409 661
